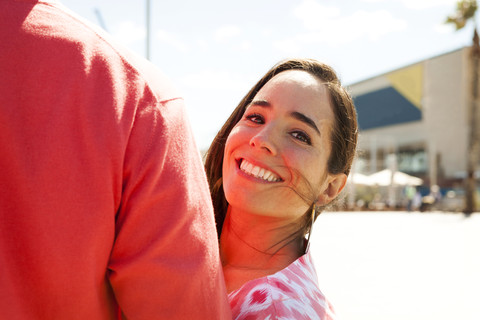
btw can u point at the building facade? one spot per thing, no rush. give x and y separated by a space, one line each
416 119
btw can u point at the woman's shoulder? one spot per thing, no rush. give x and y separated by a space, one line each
291 293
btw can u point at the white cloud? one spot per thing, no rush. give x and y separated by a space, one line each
215 80
244 46
418 4
128 32
227 32
313 14
289 46
426 4
328 25
373 24
202 44
266 32
172 40
443 28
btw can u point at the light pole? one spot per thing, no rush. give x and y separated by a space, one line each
147 49
474 137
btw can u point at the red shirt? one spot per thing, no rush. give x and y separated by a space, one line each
104 203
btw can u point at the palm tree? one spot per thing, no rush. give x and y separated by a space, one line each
465 12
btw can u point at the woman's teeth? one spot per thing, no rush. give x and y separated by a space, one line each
258 172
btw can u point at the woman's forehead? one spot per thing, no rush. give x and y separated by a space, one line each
299 76
296 89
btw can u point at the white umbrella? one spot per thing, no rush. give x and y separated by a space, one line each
358 178
384 178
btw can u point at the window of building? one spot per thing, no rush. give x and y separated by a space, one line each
413 161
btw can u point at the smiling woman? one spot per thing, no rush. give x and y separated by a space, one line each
282 156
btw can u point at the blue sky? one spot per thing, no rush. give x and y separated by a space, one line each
215 50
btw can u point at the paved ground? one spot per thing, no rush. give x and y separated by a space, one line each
399 265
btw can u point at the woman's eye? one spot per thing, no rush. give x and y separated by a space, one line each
302 136
256 118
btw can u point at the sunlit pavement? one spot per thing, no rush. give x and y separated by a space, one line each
399 265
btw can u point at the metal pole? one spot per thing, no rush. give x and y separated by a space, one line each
100 19
147 50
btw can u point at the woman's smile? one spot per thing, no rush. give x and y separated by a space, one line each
258 172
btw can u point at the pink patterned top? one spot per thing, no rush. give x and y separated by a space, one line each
291 293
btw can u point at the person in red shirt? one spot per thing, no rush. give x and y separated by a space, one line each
282 157
104 203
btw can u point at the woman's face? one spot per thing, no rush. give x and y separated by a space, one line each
280 148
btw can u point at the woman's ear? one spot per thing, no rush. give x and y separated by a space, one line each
334 185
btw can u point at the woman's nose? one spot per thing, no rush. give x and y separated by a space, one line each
265 140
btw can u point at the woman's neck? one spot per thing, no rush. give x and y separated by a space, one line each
253 246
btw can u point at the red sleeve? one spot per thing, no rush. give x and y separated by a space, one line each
165 261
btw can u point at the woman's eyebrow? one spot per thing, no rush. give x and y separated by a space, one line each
301 117
295 114
260 103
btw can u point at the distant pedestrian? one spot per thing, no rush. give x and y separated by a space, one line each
417 201
410 192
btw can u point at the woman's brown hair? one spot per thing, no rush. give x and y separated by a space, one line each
343 136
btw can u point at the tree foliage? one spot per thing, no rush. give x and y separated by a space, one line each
465 11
